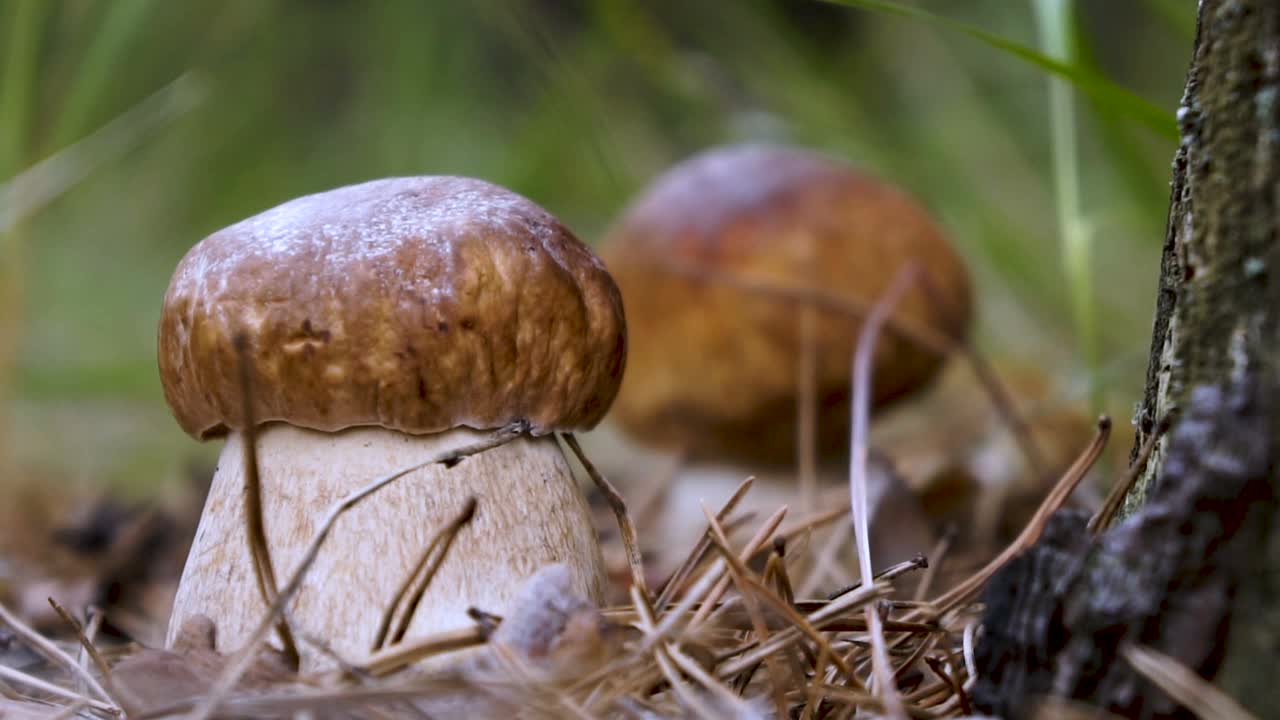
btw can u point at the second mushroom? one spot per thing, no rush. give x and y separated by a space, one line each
740 268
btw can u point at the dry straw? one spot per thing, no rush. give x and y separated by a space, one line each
724 636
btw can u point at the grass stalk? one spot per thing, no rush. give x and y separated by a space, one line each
17 84
120 25
1056 24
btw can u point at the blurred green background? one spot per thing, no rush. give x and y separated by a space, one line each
129 129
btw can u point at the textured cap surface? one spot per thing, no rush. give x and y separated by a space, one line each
714 365
417 304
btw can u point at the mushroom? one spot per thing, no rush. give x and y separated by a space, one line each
386 323
719 261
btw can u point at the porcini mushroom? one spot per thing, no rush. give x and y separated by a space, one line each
386 322
717 262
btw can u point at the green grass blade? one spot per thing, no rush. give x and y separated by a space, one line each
1177 14
17 81
1109 96
22 23
123 23
29 191
1056 24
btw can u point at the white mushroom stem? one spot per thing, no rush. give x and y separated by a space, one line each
530 514
898 526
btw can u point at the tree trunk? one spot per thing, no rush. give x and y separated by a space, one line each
1220 251
1194 570
1218 306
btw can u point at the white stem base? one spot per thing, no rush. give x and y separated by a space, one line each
899 528
530 514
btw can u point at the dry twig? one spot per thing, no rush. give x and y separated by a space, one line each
1102 519
410 593
54 654
255 524
108 685
1183 684
626 527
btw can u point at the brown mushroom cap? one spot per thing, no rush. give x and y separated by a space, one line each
417 304
713 366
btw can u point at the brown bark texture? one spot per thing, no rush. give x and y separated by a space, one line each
1193 570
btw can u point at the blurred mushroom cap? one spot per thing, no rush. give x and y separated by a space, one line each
711 260
417 304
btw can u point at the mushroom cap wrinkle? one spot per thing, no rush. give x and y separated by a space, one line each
418 304
713 368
